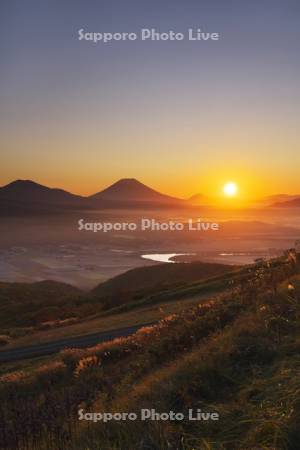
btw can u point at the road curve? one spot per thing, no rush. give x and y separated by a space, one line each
48 348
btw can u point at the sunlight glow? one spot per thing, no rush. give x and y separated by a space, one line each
230 189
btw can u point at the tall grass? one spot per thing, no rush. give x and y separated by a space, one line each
237 354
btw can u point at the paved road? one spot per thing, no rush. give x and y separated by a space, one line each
49 348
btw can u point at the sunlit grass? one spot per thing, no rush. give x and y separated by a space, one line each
237 354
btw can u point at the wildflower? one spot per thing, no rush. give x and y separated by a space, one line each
50 367
170 318
13 377
85 363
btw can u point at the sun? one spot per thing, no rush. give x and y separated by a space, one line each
230 189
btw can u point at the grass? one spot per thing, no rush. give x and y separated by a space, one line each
135 285
149 309
27 308
134 316
237 354
204 287
28 365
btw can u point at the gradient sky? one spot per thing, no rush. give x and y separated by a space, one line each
183 117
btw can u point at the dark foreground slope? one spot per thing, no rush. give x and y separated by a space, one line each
29 304
36 305
144 281
237 355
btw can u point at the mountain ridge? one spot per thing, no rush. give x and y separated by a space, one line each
128 192
35 192
24 195
295 203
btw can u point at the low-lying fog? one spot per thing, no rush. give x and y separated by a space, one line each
40 247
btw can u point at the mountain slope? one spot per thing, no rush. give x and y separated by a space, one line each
26 304
289 204
143 281
200 200
25 196
28 194
132 191
276 198
236 355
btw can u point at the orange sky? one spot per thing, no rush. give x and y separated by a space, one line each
181 117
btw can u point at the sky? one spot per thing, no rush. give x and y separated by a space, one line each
181 116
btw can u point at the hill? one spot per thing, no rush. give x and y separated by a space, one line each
29 304
143 281
37 304
236 355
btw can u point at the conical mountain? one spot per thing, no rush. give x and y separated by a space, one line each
130 190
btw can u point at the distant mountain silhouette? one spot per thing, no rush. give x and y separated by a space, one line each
295 203
25 195
278 198
130 191
196 199
200 200
29 191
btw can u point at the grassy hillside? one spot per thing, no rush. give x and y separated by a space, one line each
25 307
237 355
25 304
144 281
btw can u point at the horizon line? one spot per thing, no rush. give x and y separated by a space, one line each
133 179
